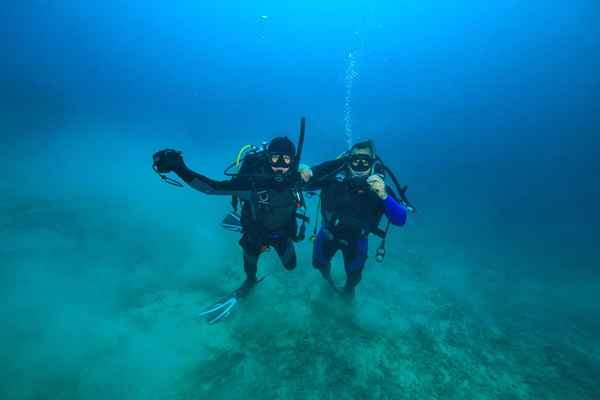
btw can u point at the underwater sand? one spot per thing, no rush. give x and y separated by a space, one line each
100 302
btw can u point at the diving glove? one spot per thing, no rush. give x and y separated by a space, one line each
167 160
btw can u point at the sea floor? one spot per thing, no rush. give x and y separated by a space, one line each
101 301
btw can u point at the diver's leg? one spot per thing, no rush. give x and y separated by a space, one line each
250 265
251 255
222 309
323 251
355 256
286 251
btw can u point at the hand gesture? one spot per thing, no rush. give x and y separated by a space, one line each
377 185
305 172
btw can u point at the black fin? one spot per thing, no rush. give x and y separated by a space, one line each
232 222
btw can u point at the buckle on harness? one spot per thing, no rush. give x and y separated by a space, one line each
380 254
263 197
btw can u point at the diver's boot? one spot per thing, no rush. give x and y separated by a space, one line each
348 292
326 274
246 287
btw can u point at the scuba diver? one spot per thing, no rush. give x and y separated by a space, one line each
267 183
353 200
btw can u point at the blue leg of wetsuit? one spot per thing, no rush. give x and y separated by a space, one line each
323 251
355 256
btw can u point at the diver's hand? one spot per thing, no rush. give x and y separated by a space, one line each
167 160
305 172
377 185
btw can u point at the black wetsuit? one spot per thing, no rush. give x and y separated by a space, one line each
268 208
268 211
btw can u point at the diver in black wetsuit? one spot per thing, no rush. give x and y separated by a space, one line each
352 205
269 187
268 190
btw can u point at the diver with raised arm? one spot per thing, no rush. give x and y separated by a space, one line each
268 185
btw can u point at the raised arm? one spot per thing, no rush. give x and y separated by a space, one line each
321 173
393 210
171 161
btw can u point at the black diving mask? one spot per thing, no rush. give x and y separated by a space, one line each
360 162
280 160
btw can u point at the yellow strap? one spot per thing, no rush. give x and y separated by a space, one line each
241 153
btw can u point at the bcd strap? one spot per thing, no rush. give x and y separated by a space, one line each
301 233
380 233
234 202
303 218
380 252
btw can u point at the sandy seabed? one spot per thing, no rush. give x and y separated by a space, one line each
101 302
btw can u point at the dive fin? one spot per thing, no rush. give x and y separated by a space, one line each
221 310
232 222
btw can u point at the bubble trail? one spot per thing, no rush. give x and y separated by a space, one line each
351 75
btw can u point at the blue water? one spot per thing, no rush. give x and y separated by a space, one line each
488 111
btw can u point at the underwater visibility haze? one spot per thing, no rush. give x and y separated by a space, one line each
488 111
